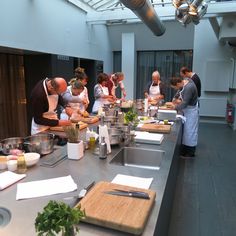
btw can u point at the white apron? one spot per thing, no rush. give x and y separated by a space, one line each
50 114
190 131
99 102
154 91
83 95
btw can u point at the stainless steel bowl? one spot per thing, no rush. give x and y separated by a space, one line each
40 143
9 144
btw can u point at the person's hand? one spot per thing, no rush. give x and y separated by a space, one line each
64 123
124 93
69 111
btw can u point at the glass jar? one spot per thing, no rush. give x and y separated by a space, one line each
21 163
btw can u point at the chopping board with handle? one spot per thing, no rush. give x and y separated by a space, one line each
82 125
155 128
127 214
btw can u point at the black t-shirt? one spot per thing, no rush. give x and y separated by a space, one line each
195 78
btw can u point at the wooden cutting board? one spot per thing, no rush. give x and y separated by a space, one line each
82 125
122 213
90 120
155 128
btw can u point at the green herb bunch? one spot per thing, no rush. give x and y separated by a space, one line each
131 117
58 217
72 133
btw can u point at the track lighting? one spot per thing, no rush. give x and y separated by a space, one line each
189 11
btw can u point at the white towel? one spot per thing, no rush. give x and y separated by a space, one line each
103 132
8 178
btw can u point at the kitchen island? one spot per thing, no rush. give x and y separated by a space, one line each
91 168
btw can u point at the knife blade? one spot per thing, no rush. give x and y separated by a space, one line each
82 192
142 195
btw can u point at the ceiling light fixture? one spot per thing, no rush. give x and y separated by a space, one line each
188 11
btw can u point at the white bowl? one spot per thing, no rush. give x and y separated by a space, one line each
31 158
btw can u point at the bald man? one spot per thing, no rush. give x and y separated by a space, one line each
45 97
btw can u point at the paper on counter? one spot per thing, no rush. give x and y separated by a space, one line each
8 178
45 187
132 181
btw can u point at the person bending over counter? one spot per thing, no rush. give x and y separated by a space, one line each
187 103
45 98
71 96
115 81
101 93
155 90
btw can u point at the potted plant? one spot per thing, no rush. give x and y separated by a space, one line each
58 217
131 118
75 147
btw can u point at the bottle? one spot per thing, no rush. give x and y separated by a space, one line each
103 149
21 163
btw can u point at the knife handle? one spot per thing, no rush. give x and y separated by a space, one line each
139 195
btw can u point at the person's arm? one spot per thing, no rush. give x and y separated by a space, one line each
122 87
187 95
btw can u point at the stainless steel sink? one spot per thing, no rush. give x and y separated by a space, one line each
139 157
5 217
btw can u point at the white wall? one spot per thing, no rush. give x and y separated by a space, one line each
207 47
52 26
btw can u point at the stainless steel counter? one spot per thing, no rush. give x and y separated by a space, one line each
90 168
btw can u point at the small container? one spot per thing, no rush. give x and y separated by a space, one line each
103 149
21 164
92 143
12 165
3 162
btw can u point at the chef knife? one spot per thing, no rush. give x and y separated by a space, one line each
124 193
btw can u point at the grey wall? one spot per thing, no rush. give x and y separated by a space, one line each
54 26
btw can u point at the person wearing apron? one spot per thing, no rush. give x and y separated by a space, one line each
101 93
71 96
115 81
155 89
44 100
187 104
82 77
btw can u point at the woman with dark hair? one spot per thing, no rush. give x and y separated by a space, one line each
83 97
187 103
101 93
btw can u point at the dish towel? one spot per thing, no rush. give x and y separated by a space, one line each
8 178
103 132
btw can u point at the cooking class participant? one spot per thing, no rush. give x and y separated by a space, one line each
187 103
155 90
115 81
81 76
45 98
186 73
71 96
101 93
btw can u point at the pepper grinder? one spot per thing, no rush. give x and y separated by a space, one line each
103 149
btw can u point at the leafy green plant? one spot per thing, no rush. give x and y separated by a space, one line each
131 117
58 217
72 133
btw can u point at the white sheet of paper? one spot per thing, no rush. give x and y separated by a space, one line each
45 187
8 178
132 181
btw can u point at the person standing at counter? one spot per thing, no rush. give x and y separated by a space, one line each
115 81
101 93
155 90
186 73
71 96
81 76
187 103
45 98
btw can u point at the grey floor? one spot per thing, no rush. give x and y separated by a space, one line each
205 196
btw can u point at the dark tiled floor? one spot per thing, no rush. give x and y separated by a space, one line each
205 196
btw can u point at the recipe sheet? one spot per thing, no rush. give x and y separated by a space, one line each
45 187
132 181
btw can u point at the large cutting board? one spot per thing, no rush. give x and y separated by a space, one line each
155 128
82 125
125 214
